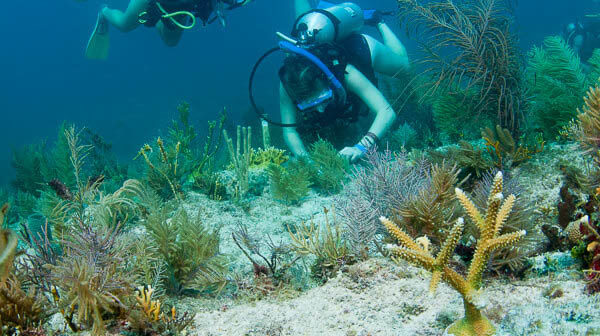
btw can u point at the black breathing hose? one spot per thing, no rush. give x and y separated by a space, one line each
261 115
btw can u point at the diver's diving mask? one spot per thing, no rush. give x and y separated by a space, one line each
334 92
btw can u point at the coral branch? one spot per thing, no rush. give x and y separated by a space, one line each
474 323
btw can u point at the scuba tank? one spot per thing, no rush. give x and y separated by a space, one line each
328 25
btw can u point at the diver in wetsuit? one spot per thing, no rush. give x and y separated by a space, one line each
170 17
583 36
325 94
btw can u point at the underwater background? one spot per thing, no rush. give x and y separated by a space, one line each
127 98
129 206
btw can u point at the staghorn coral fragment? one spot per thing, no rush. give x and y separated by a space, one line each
474 323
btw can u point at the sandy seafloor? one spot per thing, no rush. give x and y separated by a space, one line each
379 297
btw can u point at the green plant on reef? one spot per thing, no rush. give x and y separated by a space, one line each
329 168
417 252
428 210
502 147
454 114
25 204
38 164
181 131
29 163
202 162
21 311
557 83
325 242
593 76
188 248
163 173
87 203
470 44
472 159
90 279
241 158
588 126
290 183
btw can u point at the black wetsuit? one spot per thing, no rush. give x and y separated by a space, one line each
589 30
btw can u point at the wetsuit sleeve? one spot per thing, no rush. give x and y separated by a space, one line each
288 116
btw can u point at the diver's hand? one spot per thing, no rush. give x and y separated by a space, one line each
353 154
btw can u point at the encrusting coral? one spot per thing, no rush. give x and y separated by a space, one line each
498 208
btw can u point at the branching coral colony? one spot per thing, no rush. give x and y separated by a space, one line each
415 251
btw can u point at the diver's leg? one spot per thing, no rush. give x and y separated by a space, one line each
128 20
170 37
389 57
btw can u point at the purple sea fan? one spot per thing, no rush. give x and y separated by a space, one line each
382 185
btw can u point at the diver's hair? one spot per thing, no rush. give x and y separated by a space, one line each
300 76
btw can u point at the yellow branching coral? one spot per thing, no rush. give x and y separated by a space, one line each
152 320
151 308
8 246
498 209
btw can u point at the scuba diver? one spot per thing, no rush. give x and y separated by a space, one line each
170 17
583 36
328 82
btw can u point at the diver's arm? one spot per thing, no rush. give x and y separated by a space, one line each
358 84
288 116
389 57
128 20
301 7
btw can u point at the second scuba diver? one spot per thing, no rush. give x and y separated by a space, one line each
170 17
328 80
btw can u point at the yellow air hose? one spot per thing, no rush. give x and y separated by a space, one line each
171 16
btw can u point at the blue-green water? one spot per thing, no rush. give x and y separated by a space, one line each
128 98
